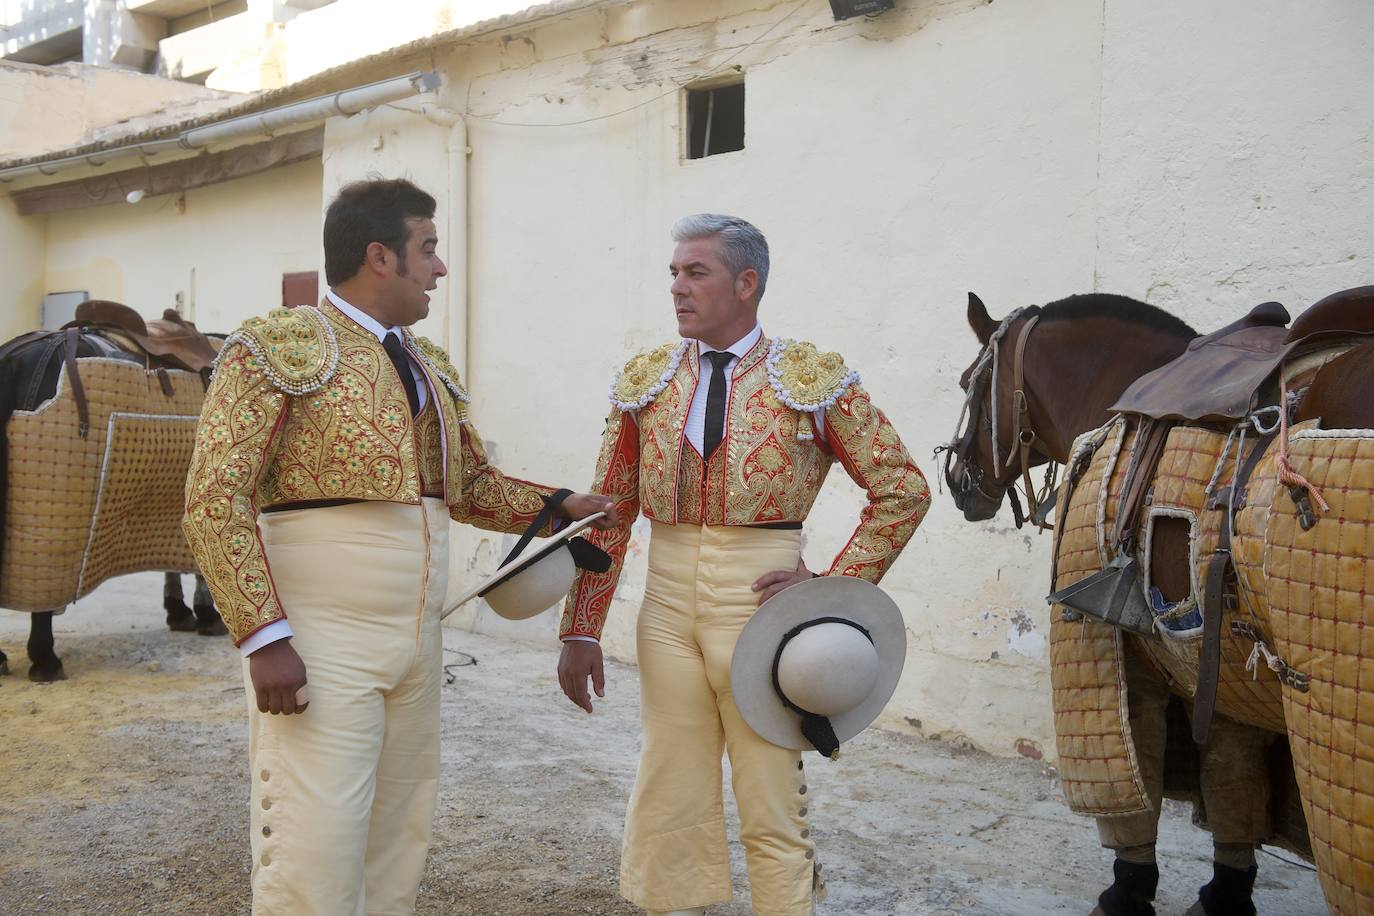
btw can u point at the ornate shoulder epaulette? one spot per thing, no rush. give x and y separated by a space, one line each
643 377
437 361
806 379
296 348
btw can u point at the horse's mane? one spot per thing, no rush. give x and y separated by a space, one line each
1093 305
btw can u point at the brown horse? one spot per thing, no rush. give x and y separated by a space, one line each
1069 372
1082 354
1342 395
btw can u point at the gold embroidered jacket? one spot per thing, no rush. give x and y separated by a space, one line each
767 470
305 405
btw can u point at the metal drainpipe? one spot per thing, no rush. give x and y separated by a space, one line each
457 319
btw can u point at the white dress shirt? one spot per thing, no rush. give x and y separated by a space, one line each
696 413
280 629
381 331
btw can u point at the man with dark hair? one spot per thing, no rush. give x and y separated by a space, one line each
723 440
333 449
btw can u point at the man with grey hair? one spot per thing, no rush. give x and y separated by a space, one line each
723 439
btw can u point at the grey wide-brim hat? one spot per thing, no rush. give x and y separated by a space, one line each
833 648
533 580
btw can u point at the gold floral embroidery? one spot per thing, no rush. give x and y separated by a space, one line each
646 375
764 471
349 437
617 476
297 349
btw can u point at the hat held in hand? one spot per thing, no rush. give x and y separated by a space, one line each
817 662
527 583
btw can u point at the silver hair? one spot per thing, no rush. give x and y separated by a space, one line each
742 246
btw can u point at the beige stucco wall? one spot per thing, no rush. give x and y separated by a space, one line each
21 271
224 252
49 108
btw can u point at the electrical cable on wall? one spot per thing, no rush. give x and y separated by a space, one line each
676 86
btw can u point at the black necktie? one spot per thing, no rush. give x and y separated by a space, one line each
401 361
715 402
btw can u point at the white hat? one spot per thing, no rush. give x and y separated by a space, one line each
527 583
818 661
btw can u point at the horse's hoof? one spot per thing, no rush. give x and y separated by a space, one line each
213 629
47 672
179 616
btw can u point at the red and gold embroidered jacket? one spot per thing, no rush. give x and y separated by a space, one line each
305 405
767 470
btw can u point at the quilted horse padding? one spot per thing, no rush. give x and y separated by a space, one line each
93 487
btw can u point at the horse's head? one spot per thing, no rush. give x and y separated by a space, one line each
985 457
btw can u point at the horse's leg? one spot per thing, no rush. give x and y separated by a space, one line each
173 602
1135 872
4 664
1234 779
46 666
208 622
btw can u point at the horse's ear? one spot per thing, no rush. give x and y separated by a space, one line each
978 319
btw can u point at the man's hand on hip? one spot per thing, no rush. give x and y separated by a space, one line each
278 674
580 660
581 505
769 584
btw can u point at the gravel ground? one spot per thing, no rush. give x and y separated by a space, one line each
124 790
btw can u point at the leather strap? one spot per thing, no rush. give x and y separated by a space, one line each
83 414
551 504
50 348
1145 455
1214 590
1023 433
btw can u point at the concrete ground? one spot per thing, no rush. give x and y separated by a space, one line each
124 790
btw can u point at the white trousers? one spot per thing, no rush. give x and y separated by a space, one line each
697 598
343 794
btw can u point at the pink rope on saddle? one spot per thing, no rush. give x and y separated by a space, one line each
1287 475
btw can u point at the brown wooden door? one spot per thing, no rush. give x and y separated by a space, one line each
300 289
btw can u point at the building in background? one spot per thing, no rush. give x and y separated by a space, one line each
1203 157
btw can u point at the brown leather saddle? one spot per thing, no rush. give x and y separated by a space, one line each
169 342
1221 375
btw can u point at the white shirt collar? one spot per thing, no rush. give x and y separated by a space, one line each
363 318
739 347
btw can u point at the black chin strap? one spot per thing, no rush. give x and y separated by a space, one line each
551 504
814 727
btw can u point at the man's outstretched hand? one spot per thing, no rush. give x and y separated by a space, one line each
278 673
581 659
581 505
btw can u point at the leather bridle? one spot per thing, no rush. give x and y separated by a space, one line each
1025 440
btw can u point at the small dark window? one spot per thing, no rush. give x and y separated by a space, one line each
715 120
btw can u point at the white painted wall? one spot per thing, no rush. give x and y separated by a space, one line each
225 252
1237 153
878 162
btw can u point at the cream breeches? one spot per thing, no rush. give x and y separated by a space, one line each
343 794
697 598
